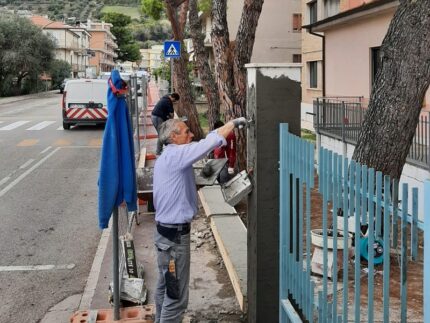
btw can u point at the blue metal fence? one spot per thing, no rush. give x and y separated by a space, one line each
349 259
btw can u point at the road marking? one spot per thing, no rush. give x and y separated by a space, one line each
60 128
4 180
28 171
93 277
41 125
27 142
96 142
37 267
26 163
14 125
62 142
45 150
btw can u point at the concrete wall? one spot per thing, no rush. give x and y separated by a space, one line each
275 40
412 175
273 97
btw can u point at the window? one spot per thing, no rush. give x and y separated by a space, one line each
375 59
313 74
297 22
312 7
297 58
331 8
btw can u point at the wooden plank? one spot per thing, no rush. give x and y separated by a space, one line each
142 158
290 311
231 237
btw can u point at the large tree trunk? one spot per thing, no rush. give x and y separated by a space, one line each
398 92
202 61
230 59
223 56
185 106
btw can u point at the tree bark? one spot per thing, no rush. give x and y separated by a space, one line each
185 106
230 60
398 92
202 62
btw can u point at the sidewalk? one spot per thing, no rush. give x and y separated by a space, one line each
11 99
212 298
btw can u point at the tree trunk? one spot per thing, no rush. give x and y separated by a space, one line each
398 92
230 60
185 106
223 56
202 61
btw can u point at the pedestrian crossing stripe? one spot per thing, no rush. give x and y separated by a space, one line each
13 125
38 126
41 125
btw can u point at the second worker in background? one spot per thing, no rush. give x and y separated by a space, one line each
163 111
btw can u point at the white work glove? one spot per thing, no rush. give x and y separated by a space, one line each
240 122
230 170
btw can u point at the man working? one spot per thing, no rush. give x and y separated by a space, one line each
163 110
175 201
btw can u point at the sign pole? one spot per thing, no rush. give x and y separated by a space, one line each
171 75
172 49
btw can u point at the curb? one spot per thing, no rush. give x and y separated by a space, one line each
93 277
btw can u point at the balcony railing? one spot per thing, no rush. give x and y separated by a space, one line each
342 118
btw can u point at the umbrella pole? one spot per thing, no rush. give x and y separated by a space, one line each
115 264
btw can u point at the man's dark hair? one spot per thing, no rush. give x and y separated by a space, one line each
175 96
218 124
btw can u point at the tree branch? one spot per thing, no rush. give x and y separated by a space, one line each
175 3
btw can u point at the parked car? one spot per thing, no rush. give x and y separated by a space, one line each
84 102
62 85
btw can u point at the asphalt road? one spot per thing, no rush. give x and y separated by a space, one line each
48 207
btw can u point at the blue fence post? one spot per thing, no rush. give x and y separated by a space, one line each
426 251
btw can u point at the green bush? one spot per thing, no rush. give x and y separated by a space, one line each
59 70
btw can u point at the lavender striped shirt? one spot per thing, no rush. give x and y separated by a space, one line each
175 195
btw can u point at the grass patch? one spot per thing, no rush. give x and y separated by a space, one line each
133 12
308 135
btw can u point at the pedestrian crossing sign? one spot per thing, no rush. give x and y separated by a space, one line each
172 49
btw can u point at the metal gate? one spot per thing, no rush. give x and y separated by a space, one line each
349 251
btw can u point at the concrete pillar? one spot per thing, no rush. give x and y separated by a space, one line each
274 96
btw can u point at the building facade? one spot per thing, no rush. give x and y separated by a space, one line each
152 58
278 35
69 45
352 32
103 46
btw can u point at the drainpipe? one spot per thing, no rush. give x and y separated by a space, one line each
323 56
323 90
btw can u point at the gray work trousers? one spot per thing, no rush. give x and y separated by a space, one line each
157 121
170 310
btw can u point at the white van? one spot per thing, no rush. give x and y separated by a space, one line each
85 102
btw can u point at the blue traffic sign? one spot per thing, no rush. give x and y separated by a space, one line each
172 49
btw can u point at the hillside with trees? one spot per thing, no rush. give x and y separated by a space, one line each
62 9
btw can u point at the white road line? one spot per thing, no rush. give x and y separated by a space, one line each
4 180
45 150
60 128
28 171
28 162
14 125
41 125
37 267
93 277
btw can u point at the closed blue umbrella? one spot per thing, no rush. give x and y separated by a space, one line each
117 179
